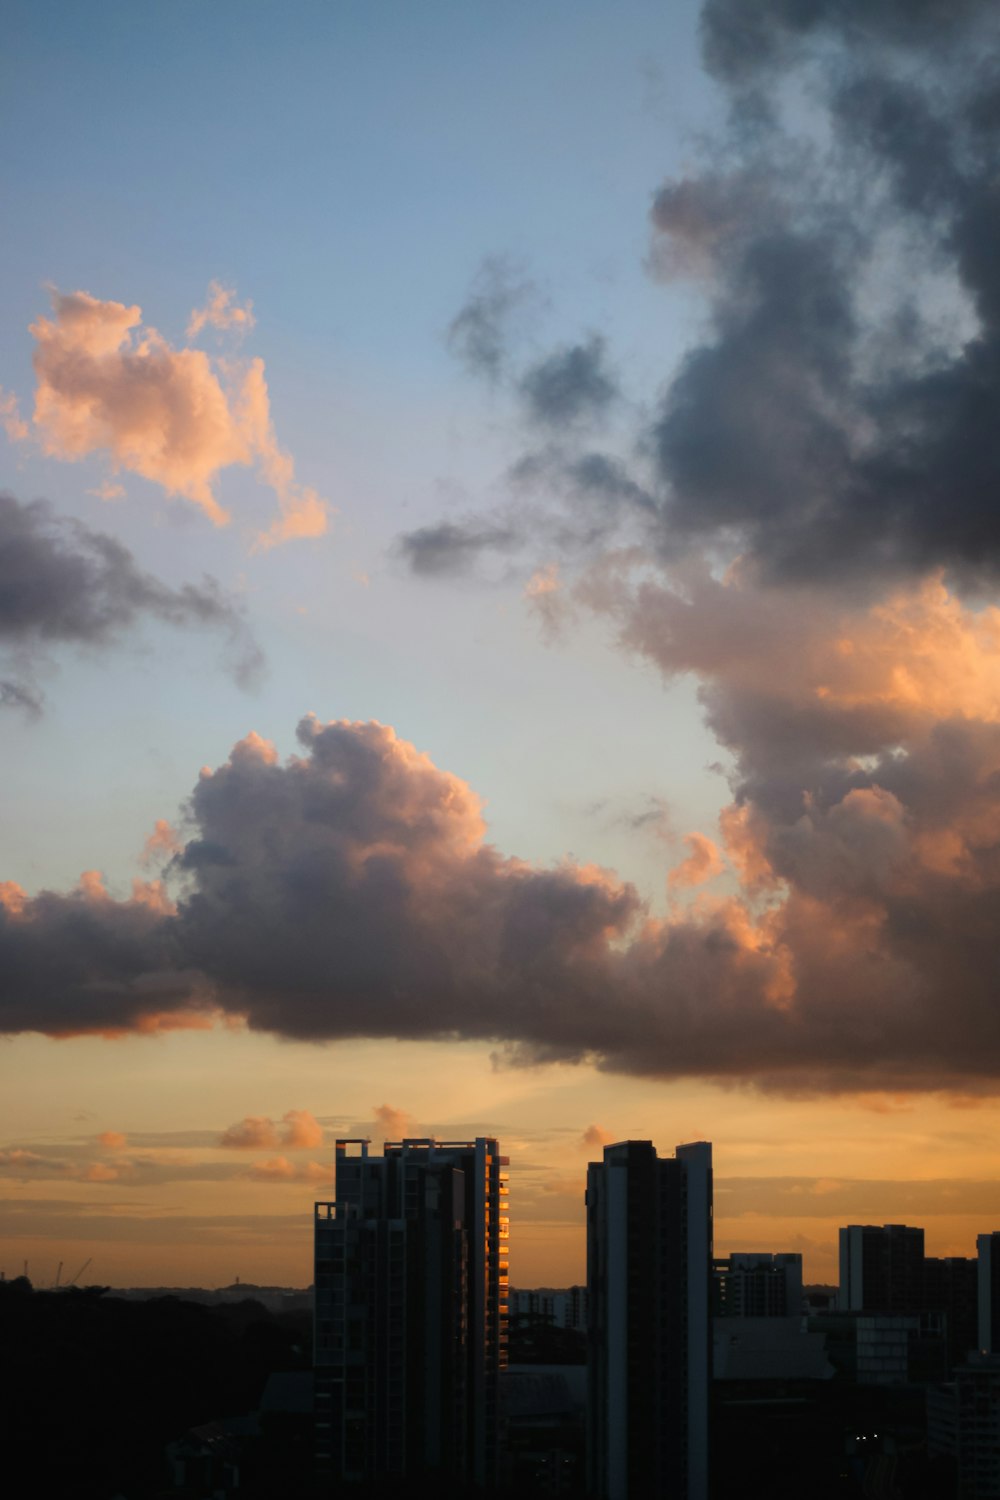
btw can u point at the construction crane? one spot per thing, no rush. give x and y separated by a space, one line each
74 1279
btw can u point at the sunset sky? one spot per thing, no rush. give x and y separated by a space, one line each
499 614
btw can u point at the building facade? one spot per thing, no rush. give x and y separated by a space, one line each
757 1284
988 1279
649 1268
881 1268
411 1313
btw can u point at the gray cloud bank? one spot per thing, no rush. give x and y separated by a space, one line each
63 583
837 420
349 892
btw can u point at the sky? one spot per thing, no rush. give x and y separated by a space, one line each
499 616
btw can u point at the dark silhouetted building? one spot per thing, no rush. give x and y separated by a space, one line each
757 1284
950 1287
649 1268
988 1267
881 1268
963 1420
411 1290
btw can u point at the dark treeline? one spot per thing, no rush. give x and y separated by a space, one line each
94 1387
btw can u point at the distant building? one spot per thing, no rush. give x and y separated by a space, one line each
768 1348
649 1263
562 1307
411 1289
881 1268
963 1419
751 1284
988 1267
950 1287
901 1348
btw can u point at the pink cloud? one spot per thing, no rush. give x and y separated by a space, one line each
161 844
11 420
221 311
393 1123
297 1130
703 863
98 1171
280 1169
107 384
301 1129
251 1134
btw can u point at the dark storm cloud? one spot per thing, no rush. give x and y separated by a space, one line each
62 582
834 424
569 385
358 898
837 421
741 41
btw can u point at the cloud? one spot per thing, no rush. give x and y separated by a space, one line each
250 1133
108 490
301 1129
393 1123
478 332
349 891
162 844
63 583
452 547
702 863
222 312
112 1140
836 420
107 384
543 594
99 1171
11 420
570 385
595 1138
278 1169
833 421
296 1129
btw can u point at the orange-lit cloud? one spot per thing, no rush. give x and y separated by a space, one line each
99 1171
162 844
297 1129
280 1169
11 420
703 863
112 1140
108 490
595 1138
222 312
394 1124
349 890
301 1129
107 384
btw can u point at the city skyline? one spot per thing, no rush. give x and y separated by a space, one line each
498 617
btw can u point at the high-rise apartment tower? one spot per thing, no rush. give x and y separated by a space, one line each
411 1313
649 1270
881 1268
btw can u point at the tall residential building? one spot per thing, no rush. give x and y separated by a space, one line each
649 1269
988 1254
951 1287
411 1313
757 1284
964 1421
881 1268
